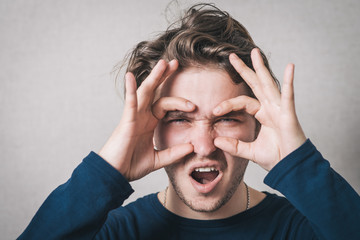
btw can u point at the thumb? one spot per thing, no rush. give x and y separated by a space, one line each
235 147
171 155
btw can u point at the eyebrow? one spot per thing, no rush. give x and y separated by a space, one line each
177 114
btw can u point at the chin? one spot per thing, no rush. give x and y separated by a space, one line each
206 205
206 185
200 202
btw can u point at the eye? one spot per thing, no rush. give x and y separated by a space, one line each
177 121
228 121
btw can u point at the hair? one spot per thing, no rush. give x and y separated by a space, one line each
204 36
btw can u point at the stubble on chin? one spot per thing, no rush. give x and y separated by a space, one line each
207 207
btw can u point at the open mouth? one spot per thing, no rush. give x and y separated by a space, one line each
204 175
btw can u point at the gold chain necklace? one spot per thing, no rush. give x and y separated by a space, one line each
165 194
247 197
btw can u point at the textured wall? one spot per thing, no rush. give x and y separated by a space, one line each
58 100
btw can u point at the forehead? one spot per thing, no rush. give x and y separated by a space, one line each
205 87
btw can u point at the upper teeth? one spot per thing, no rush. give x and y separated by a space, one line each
205 169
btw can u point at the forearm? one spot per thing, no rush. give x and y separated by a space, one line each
78 208
329 203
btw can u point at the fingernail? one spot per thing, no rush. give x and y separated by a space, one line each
189 104
173 62
217 110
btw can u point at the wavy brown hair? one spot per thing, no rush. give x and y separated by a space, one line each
204 36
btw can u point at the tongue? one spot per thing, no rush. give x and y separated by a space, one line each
204 177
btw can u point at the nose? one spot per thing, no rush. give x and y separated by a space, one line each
202 138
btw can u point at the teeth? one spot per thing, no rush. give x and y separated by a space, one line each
205 169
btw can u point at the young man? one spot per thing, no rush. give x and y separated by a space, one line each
201 102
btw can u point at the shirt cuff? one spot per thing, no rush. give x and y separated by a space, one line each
291 161
107 171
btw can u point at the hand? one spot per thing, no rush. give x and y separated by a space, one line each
280 132
130 149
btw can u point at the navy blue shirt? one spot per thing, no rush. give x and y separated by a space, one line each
319 204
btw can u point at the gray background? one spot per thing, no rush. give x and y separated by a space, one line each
58 100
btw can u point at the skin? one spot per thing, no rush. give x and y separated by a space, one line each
205 88
131 151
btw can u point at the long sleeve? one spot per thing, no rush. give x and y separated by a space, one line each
78 208
328 202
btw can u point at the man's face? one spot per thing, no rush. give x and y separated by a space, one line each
206 179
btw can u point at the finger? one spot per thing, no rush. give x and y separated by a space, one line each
165 104
130 106
160 72
292 131
235 147
287 95
243 102
245 72
267 83
171 155
258 64
172 67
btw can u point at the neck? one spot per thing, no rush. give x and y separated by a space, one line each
236 204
